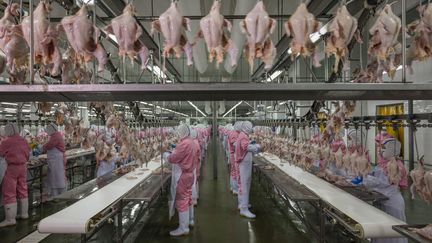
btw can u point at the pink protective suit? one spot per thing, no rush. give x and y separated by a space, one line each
15 150
232 139
241 150
198 159
184 155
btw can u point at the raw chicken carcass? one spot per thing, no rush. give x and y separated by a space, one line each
127 32
418 186
83 36
212 30
393 171
46 51
300 27
428 182
385 33
338 158
72 71
44 107
362 165
342 30
171 24
258 26
13 44
425 232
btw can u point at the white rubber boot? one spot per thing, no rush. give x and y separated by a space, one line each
183 228
191 216
246 213
10 214
23 206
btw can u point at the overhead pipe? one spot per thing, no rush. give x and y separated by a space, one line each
242 8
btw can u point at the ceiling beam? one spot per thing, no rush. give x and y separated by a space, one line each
215 91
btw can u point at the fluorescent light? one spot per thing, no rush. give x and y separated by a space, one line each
196 108
117 105
10 109
235 106
113 38
157 71
268 107
317 35
7 103
274 75
26 111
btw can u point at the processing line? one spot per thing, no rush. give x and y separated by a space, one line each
357 216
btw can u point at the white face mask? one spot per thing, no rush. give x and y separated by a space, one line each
389 150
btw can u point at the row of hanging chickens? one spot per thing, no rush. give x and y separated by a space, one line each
385 50
422 182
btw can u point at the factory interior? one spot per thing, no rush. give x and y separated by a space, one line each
205 121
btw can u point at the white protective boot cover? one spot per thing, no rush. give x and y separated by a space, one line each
246 213
191 216
23 209
10 214
183 228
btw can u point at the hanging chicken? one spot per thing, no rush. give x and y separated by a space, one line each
46 51
300 27
212 30
83 36
258 26
172 25
384 34
342 29
13 45
421 47
127 32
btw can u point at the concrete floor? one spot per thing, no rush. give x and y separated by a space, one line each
217 219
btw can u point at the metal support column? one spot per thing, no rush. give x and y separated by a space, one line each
411 136
214 140
403 2
31 41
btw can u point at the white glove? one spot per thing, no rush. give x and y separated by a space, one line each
165 155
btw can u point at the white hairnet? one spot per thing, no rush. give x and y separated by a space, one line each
51 128
238 126
24 133
392 148
193 133
355 137
246 127
11 129
183 131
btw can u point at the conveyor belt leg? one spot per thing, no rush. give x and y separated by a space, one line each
322 223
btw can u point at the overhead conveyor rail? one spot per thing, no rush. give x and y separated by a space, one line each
215 91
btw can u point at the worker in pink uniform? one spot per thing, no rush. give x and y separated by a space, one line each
15 151
234 169
243 155
182 159
56 159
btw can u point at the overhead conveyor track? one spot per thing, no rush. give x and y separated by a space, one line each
215 91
